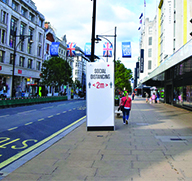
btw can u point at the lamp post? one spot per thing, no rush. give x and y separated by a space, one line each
104 37
93 31
22 37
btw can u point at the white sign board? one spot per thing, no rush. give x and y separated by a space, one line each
100 96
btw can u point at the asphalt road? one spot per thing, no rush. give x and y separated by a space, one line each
22 129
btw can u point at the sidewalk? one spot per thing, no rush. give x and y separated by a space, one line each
156 145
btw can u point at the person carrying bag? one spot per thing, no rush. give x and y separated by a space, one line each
125 106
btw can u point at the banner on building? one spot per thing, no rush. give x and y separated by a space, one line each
107 49
126 49
87 49
142 61
54 49
71 49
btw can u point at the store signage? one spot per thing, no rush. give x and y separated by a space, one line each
100 96
142 61
19 71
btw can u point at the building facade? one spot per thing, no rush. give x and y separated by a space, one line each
149 44
172 77
18 19
79 70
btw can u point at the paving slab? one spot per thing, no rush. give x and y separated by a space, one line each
140 151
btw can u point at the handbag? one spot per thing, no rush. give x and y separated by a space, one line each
122 106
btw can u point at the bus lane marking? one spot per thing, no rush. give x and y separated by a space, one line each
29 149
27 111
28 123
3 146
12 128
4 116
47 107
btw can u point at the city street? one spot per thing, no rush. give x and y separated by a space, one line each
24 128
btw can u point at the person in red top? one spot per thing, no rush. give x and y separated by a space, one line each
127 107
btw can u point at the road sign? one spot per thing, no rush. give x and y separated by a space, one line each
100 96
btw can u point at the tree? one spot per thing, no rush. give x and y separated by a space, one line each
122 76
77 83
56 72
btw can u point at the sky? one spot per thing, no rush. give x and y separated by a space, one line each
73 18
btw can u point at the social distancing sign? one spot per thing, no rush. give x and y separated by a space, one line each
100 96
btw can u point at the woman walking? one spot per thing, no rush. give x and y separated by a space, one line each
126 102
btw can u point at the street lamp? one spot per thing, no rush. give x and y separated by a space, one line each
97 39
22 37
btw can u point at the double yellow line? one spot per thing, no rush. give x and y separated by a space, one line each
17 156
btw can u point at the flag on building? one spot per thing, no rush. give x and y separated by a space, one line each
71 49
54 49
126 49
87 49
141 16
107 49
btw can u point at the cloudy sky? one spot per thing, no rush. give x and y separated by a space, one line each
73 18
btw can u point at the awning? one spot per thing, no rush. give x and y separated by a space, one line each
181 54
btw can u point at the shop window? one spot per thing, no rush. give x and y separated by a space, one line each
40 37
5 1
31 17
3 36
178 95
150 52
3 17
40 22
29 64
14 5
23 12
187 95
39 51
12 31
2 56
11 58
22 62
149 64
38 66
150 40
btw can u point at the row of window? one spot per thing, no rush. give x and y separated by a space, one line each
22 61
24 12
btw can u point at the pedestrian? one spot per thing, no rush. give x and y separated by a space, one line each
146 96
126 102
158 97
133 95
153 98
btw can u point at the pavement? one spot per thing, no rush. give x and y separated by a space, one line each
156 145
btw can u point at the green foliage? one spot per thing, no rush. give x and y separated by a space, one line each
56 72
77 84
122 76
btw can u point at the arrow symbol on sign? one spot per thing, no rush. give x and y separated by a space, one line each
89 85
106 85
111 84
94 85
